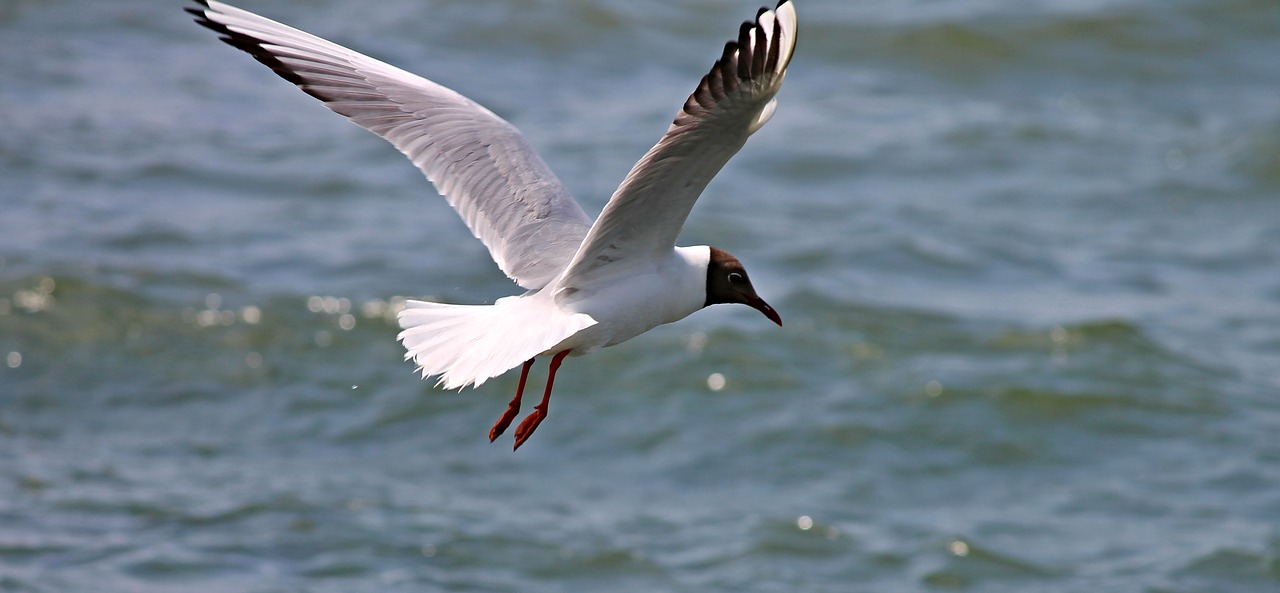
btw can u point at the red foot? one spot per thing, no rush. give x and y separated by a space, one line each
531 422
528 425
513 408
501 425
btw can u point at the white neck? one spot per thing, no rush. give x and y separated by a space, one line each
697 257
692 282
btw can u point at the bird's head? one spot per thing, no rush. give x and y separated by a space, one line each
727 282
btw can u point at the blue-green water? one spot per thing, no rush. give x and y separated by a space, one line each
1028 255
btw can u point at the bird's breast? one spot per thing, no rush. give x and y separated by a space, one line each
627 306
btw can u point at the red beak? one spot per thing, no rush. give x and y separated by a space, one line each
758 304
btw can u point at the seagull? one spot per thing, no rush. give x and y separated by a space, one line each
589 284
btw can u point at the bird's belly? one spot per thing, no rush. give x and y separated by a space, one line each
626 316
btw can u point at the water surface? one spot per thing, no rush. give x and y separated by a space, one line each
1026 252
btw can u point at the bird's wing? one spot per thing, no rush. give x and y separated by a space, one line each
735 99
481 164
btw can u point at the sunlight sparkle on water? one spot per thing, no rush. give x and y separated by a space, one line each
697 342
387 309
328 304
37 300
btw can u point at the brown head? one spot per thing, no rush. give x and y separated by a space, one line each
727 282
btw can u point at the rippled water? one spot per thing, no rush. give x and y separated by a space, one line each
1027 253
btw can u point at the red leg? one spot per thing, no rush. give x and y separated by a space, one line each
531 422
512 408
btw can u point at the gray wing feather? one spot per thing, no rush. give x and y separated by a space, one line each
736 98
479 162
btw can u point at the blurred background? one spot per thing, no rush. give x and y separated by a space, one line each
1028 256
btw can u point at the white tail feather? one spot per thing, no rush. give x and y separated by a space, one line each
469 344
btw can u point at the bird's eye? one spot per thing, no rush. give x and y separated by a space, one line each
735 277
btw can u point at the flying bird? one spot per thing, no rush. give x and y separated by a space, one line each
589 284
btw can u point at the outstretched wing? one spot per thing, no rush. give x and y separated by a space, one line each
735 99
481 164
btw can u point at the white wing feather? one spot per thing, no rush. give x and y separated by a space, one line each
645 214
481 163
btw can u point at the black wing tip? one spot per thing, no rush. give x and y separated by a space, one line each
202 18
730 46
252 46
743 59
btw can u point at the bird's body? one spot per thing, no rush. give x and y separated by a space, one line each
642 300
590 284
468 344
